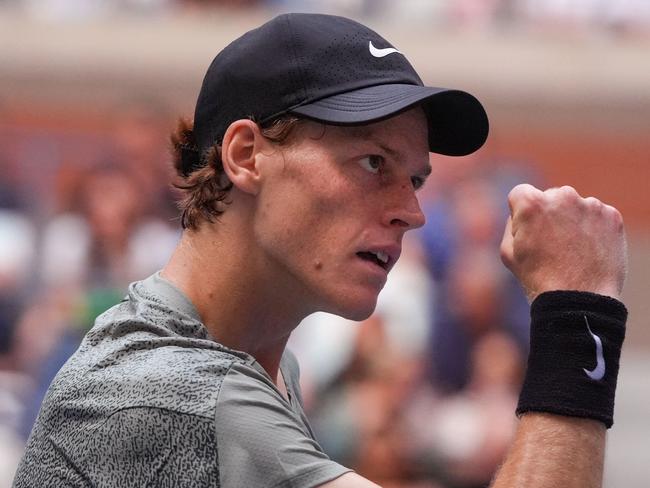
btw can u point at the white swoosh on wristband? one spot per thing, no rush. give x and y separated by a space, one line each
598 373
380 53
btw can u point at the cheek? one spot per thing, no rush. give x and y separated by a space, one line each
310 188
305 222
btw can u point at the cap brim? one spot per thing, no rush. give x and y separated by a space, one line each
458 124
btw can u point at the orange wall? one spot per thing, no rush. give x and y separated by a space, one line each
613 167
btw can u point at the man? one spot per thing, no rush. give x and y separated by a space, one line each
310 139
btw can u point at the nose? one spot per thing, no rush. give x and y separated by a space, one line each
404 210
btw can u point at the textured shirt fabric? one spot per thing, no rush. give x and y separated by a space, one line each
149 399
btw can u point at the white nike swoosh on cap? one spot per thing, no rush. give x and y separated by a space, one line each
380 53
598 373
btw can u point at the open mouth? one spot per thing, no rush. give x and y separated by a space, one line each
379 258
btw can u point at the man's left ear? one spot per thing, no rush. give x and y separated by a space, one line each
238 154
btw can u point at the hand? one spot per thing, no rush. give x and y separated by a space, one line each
557 240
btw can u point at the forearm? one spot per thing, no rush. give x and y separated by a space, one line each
560 440
553 450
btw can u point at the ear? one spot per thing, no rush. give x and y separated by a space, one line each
241 144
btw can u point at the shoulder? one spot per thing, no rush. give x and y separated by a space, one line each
162 372
146 352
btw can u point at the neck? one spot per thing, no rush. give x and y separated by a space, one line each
241 302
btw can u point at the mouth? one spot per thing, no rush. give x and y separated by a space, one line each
379 258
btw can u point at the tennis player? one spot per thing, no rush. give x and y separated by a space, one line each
299 174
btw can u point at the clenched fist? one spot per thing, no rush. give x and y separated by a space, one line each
557 240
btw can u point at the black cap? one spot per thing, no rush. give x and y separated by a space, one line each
330 69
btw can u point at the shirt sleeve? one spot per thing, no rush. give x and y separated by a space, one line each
261 440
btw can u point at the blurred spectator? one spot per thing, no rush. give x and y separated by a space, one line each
106 241
475 301
358 419
85 10
17 252
474 14
622 16
627 16
466 435
475 294
141 145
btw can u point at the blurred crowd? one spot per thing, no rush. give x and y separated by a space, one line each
619 16
421 394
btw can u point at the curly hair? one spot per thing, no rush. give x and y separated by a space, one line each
204 191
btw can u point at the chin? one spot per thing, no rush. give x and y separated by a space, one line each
354 309
358 316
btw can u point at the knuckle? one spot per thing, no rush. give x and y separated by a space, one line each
568 192
616 216
523 197
523 187
522 191
515 194
563 197
593 203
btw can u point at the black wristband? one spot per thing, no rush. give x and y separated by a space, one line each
575 346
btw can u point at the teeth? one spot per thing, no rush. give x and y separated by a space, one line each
382 256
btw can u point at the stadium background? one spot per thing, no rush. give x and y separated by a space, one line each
89 91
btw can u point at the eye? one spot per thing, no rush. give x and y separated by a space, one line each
417 182
372 163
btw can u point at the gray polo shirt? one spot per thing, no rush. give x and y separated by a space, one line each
149 399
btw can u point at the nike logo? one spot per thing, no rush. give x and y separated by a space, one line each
380 53
598 373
